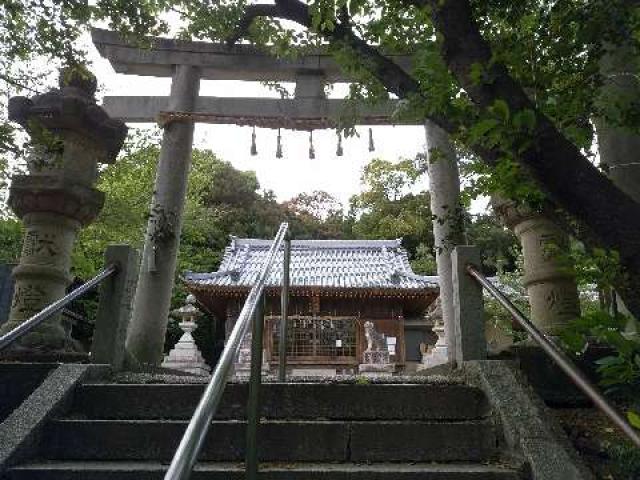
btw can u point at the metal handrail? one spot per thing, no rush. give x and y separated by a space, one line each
559 357
187 453
28 325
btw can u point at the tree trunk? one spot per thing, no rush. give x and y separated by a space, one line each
603 211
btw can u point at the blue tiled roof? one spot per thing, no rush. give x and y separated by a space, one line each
319 263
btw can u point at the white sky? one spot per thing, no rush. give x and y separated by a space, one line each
295 172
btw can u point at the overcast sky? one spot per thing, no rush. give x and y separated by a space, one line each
295 172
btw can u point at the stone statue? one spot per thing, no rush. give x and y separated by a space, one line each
434 312
438 354
375 340
376 358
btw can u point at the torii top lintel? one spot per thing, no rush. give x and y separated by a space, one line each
216 61
308 110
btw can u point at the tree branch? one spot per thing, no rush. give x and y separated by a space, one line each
607 214
395 79
556 164
250 14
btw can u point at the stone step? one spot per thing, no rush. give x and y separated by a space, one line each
285 441
291 400
235 471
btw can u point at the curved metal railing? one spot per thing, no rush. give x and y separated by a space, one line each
56 307
187 453
559 357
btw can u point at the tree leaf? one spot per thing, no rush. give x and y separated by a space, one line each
634 419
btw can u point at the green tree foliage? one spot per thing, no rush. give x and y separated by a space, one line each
497 243
387 208
10 240
619 371
220 201
128 186
317 215
391 207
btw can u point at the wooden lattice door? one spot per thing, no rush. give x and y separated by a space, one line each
317 340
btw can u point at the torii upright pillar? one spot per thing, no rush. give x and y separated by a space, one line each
619 146
145 338
448 225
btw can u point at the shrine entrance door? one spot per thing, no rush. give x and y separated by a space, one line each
321 340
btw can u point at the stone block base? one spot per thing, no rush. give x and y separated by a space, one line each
188 367
242 371
437 356
186 357
313 372
377 368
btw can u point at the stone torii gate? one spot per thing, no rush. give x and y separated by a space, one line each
186 63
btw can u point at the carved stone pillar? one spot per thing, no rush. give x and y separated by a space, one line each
70 135
548 275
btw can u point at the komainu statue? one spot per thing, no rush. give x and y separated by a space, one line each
376 358
375 340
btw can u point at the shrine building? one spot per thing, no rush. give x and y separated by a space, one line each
335 287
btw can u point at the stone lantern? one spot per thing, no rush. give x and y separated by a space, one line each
549 276
438 354
186 356
70 135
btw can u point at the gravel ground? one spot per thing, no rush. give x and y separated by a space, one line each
163 377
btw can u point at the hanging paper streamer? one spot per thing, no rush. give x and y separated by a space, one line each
279 146
254 148
339 150
372 147
312 151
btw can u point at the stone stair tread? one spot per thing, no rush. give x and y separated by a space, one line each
266 421
280 440
426 471
298 400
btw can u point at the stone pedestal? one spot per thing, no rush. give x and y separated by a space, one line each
70 135
185 355
376 363
548 273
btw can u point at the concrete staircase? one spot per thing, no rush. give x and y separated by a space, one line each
433 431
